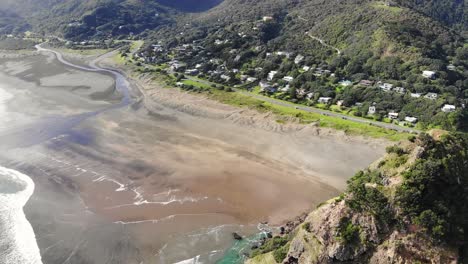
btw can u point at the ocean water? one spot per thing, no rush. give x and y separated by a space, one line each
17 239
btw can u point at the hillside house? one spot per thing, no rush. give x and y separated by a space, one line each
372 110
192 72
411 119
345 83
415 95
306 68
324 100
271 75
429 74
386 87
251 79
399 90
448 108
431 96
299 58
288 78
393 115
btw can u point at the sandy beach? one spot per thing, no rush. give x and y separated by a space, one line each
163 179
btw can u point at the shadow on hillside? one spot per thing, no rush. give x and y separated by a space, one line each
191 5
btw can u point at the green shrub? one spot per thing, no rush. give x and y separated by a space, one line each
280 254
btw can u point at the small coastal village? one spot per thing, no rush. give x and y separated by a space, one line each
233 59
194 65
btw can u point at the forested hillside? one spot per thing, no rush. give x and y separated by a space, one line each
453 13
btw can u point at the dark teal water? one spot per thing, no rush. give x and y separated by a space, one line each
238 253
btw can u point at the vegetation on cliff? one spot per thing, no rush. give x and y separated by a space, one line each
409 207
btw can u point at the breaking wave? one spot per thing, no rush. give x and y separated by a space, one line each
17 240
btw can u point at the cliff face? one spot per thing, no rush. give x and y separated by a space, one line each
408 207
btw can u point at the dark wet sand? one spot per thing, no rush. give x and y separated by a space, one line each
126 186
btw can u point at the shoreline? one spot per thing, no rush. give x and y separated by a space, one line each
229 165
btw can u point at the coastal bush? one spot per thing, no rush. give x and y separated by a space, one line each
271 245
280 254
434 193
395 149
348 232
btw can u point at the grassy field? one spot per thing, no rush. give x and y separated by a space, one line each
284 113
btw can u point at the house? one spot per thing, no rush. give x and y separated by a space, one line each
198 66
386 87
192 72
285 89
448 108
301 92
288 78
244 77
366 83
345 83
306 68
372 110
324 100
415 95
431 96
251 79
429 74
179 84
411 119
225 77
399 90
340 103
299 58
283 53
267 18
267 87
271 75
310 96
393 115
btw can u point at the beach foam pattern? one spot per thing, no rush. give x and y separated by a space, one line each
17 240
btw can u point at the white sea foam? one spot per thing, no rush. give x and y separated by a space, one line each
17 240
194 260
4 116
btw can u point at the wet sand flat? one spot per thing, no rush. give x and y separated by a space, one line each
163 180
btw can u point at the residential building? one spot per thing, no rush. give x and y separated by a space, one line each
448 108
306 68
372 110
299 58
393 115
431 96
429 74
192 72
271 75
411 119
324 100
399 90
386 87
267 18
225 77
288 78
340 103
251 79
345 83
415 95
310 96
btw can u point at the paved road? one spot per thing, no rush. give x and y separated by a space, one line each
330 113
316 110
